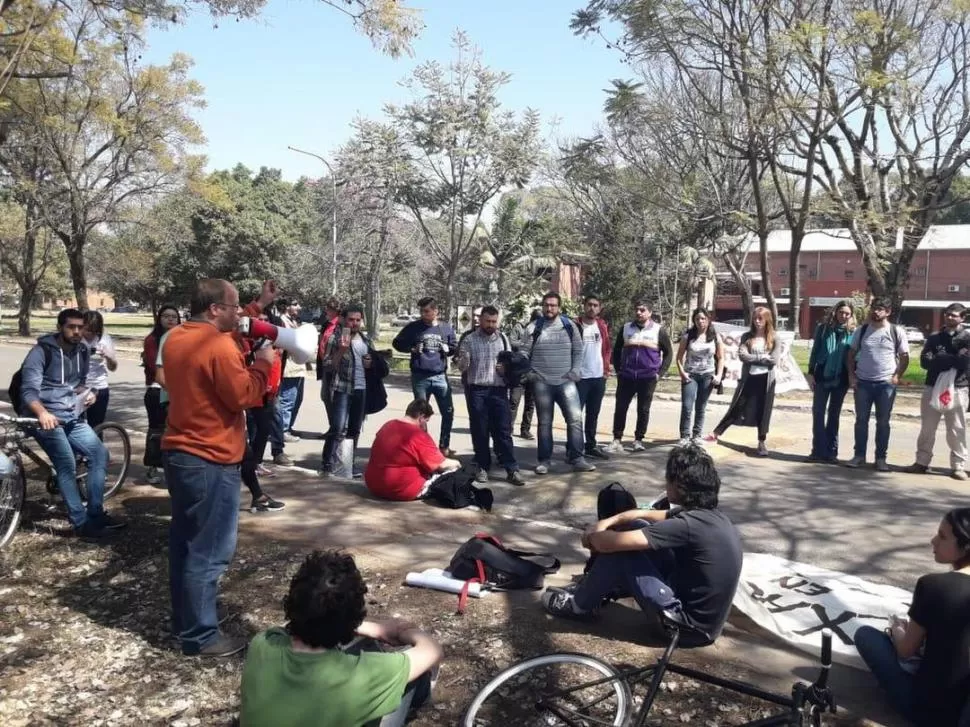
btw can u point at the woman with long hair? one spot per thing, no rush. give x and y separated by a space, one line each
101 360
923 661
755 396
828 378
156 402
700 361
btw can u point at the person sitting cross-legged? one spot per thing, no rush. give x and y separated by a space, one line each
685 560
312 673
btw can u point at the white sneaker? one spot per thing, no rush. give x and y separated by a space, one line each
614 447
697 441
581 465
637 446
683 441
542 468
882 465
856 461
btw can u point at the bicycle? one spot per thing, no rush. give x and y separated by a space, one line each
603 695
14 434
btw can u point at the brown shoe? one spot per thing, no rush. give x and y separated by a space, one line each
917 469
959 475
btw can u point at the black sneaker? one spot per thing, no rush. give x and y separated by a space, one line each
515 477
563 604
92 532
266 504
223 645
110 523
282 460
525 434
597 453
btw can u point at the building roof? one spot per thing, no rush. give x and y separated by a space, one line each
939 237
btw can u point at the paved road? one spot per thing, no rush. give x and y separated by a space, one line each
874 525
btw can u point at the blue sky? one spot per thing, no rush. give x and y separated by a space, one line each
299 74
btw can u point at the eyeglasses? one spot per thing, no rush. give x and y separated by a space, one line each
169 316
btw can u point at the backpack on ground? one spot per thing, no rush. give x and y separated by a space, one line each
17 383
484 559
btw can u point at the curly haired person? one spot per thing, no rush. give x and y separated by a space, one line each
314 672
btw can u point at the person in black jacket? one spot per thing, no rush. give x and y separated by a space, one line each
947 349
430 343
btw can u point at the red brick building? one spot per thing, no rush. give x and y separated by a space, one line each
831 269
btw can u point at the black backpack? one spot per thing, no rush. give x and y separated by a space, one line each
17 382
483 559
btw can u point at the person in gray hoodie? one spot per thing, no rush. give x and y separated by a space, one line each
53 391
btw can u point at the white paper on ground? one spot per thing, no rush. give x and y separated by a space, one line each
796 601
441 580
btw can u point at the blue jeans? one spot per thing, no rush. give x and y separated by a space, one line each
290 390
694 394
566 397
60 444
591 393
877 650
644 574
490 415
201 542
826 410
346 421
882 394
439 387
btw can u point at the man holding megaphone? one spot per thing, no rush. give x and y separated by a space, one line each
209 387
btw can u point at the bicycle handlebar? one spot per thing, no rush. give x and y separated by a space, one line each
24 421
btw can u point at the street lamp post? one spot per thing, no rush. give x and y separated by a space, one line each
333 222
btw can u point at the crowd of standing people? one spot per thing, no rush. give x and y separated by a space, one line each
227 398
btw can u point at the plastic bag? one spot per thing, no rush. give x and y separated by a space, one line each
944 395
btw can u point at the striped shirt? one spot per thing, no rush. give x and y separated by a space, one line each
477 356
555 353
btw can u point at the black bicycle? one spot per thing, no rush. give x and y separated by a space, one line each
579 690
15 432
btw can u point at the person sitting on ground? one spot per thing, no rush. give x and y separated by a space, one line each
301 676
685 560
937 692
404 459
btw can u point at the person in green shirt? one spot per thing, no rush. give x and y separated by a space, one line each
301 675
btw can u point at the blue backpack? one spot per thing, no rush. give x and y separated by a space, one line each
541 321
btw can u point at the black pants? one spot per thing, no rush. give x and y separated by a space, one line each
626 389
156 427
529 407
260 421
248 473
591 393
748 407
98 411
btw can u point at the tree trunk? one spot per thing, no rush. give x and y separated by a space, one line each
766 273
79 278
744 285
795 282
23 312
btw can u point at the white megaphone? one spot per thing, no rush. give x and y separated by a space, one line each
300 343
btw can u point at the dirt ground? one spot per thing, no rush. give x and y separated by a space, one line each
84 633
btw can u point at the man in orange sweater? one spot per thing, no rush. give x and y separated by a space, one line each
209 388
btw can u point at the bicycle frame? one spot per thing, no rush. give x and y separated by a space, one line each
817 694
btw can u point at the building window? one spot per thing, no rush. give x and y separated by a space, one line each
813 274
919 272
783 273
849 275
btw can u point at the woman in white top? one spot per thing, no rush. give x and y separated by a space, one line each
755 396
102 360
700 361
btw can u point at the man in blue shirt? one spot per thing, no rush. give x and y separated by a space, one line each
430 343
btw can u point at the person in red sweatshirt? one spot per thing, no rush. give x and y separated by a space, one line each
594 371
209 388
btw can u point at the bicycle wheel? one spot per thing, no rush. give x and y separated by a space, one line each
554 689
116 441
13 492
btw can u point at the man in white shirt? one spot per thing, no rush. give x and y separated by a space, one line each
593 372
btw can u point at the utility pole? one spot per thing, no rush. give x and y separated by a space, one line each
333 221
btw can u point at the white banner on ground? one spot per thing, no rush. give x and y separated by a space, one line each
796 601
788 376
